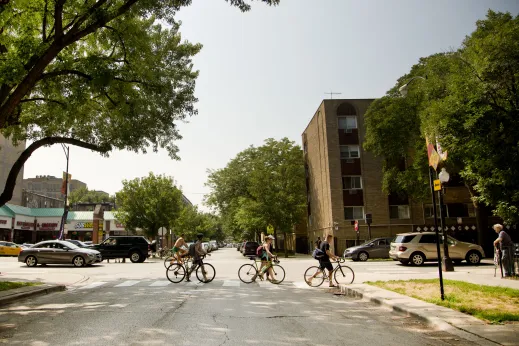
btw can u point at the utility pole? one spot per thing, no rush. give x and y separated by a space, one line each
65 208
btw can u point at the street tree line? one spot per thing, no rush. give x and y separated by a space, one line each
469 102
97 74
152 202
260 187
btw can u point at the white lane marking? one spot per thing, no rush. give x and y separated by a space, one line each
301 284
268 285
92 285
231 283
127 283
160 283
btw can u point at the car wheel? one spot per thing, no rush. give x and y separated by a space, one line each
135 256
363 256
31 261
417 258
473 257
78 261
404 262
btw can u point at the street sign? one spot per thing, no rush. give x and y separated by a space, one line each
163 231
356 226
437 185
270 229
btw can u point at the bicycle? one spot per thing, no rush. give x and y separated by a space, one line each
184 258
205 272
164 252
342 274
249 272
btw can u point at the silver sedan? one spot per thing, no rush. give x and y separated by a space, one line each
58 252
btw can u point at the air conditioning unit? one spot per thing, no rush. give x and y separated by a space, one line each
353 192
348 130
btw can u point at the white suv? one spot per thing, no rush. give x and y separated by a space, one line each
418 248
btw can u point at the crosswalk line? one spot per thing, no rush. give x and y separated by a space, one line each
128 283
231 283
301 284
268 285
160 283
93 285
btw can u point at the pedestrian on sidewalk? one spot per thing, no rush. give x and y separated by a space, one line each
506 249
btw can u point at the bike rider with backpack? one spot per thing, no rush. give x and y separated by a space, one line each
323 255
263 251
196 251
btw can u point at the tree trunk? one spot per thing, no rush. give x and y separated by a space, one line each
482 213
10 183
286 247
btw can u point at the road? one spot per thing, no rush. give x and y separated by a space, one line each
138 307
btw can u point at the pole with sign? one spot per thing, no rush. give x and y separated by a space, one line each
356 227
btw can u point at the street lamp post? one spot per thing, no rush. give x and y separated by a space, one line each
403 91
446 261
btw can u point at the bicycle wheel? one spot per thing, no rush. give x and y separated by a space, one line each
209 270
314 276
343 275
167 261
247 273
176 273
279 273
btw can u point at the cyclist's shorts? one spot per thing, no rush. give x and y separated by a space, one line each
326 264
175 249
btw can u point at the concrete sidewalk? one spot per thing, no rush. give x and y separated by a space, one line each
13 295
454 322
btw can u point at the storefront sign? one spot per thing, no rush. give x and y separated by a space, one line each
87 225
5 223
49 226
24 225
116 226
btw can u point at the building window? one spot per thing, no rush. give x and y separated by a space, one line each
347 123
428 210
351 183
353 213
350 152
399 212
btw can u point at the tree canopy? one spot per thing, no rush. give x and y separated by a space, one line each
95 73
192 221
149 203
261 186
84 195
470 103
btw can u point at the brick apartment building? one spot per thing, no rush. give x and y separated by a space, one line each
344 183
50 186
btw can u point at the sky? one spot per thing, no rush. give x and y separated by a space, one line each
264 73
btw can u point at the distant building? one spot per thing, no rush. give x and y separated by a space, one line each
50 186
8 156
36 200
344 183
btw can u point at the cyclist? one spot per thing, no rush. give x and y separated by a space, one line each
197 257
324 261
177 250
266 260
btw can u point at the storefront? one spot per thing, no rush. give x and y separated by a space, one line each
81 230
5 228
117 228
47 228
24 229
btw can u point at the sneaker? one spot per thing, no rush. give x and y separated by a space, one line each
274 281
309 282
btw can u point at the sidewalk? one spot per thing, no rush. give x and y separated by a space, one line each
10 296
454 322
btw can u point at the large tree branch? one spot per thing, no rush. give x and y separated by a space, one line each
10 184
42 99
58 19
64 73
44 24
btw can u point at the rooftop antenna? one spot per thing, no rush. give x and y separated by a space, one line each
332 93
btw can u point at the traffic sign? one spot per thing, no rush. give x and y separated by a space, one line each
162 231
270 229
437 185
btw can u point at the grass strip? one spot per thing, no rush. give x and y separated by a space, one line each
9 285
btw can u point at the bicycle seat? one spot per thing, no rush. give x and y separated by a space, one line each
252 258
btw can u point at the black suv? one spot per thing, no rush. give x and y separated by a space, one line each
136 248
250 247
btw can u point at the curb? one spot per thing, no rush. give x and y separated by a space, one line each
23 292
421 310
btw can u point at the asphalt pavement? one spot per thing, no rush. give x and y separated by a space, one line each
134 304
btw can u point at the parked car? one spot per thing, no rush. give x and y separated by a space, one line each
242 247
206 247
376 248
9 249
136 248
417 248
78 243
26 245
250 247
58 252
213 244
88 242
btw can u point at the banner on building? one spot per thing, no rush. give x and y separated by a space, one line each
64 184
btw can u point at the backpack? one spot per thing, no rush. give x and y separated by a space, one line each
318 254
259 251
191 250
